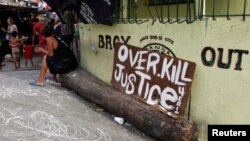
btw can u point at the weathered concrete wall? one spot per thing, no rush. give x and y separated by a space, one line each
219 90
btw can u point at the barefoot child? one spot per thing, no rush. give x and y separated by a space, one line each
28 51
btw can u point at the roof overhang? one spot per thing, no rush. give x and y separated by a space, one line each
10 5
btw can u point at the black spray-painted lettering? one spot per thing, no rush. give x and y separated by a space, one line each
229 58
220 63
239 59
107 42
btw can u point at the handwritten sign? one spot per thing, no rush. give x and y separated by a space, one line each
157 79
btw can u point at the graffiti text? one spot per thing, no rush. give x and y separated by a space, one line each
108 42
210 60
155 78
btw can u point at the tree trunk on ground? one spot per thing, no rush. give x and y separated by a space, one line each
142 116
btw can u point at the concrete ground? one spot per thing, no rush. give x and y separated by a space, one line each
53 113
9 65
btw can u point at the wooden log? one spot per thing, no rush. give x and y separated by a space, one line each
144 117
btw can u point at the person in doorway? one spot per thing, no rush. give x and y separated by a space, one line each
58 58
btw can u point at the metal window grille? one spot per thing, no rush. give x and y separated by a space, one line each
164 15
168 11
166 2
125 12
210 8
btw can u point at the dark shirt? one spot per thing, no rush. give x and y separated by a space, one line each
63 59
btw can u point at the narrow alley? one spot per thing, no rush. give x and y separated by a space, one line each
53 113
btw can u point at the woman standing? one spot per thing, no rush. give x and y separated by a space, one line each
11 27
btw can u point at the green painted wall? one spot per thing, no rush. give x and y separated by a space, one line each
236 7
145 11
219 95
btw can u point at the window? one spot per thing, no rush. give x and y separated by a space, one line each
125 11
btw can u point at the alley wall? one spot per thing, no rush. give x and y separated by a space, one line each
219 48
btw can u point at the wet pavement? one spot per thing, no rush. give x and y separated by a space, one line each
53 113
